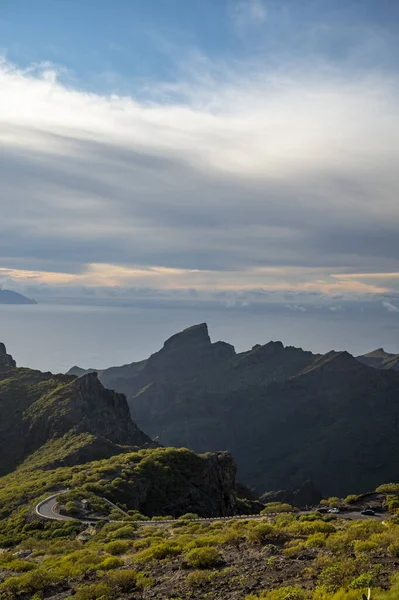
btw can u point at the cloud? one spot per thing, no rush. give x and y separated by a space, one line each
243 180
246 15
390 307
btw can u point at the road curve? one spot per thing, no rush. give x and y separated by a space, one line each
46 508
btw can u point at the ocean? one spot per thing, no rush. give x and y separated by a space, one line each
53 337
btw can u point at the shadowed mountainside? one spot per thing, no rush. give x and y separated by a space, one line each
286 415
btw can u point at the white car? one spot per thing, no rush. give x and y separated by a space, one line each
334 510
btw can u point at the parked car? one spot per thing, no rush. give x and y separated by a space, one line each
368 511
322 509
333 510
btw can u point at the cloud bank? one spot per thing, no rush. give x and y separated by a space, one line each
237 181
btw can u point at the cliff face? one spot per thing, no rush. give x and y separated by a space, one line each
37 407
83 405
202 484
6 360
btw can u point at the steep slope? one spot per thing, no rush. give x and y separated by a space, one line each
335 423
37 407
379 359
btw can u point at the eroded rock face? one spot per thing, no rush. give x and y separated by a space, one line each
84 406
36 408
208 488
6 360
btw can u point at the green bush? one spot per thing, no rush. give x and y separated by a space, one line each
284 593
202 558
188 517
122 581
351 499
158 551
94 591
388 488
117 547
276 507
112 562
262 533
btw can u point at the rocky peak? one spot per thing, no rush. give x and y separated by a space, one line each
195 335
6 360
186 353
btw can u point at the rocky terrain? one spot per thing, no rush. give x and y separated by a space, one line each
285 414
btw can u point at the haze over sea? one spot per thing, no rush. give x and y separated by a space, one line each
54 337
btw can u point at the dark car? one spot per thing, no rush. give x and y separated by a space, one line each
322 509
368 512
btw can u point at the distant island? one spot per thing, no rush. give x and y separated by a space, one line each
10 297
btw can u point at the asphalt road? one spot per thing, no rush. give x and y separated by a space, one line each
46 509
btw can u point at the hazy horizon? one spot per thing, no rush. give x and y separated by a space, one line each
57 337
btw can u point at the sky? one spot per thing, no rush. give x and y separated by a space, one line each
232 153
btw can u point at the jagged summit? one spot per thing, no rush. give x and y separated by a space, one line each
6 360
197 334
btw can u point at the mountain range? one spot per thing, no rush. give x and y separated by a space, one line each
62 431
286 415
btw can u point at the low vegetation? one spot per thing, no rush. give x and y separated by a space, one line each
284 557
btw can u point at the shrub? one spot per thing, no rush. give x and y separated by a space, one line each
284 593
188 517
21 566
364 546
262 533
362 582
392 503
334 576
94 591
197 578
117 547
202 558
112 562
122 581
351 499
276 507
158 551
388 488
333 502
126 532
143 581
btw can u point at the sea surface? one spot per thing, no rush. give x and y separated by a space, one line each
53 337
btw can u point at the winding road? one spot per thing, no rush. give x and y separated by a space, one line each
46 509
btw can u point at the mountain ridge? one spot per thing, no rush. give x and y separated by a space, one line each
287 415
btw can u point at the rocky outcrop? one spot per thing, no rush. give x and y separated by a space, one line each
82 406
6 360
177 481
